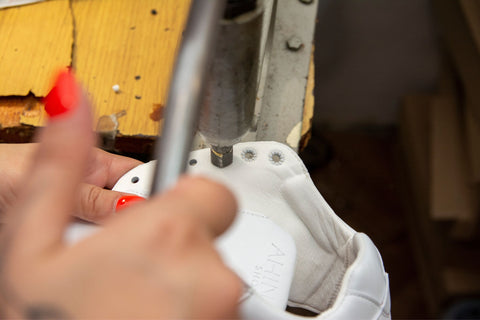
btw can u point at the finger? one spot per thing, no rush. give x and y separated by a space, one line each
96 204
49 194
108 168
14 160
117 166
207 201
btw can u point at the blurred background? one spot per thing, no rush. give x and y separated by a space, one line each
395 146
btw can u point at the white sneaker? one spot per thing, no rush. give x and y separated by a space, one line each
335 272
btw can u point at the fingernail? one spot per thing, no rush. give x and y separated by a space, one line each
127 201
64 95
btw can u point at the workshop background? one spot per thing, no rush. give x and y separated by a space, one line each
396 142
395 146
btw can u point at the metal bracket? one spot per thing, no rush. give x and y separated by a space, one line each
286 46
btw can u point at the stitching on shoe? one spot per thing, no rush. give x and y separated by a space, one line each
339 252
387 315
347 264
365 297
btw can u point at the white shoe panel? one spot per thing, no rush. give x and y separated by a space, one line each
339 272
365 286
261 254
284 192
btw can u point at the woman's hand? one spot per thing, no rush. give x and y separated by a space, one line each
155 260
94 202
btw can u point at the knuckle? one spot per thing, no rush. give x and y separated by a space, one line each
91 203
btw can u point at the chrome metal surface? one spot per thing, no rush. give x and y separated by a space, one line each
229 102
185 93
283 74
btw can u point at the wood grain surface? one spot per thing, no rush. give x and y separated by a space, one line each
129 43
132 44
35 41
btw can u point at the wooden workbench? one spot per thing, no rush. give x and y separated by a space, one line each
127 43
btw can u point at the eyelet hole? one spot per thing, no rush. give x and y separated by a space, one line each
135 179
276 157
249 154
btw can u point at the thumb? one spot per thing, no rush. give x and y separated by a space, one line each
96 204
49 194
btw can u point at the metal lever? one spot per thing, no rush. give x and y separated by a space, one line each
185 94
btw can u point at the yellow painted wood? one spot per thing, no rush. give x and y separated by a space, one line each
11 115
117 40
35 41
17 110
34 115
309 103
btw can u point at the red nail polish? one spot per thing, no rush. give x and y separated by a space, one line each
64 95
127 201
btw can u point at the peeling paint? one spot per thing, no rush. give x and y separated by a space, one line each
293 138
13 3
157 113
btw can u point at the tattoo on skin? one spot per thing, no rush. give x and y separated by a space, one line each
44 311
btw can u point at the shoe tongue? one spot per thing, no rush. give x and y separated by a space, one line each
262 254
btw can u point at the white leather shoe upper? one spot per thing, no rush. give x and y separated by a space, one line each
338 273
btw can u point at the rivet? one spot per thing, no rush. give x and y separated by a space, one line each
249 155
276 157
294 43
